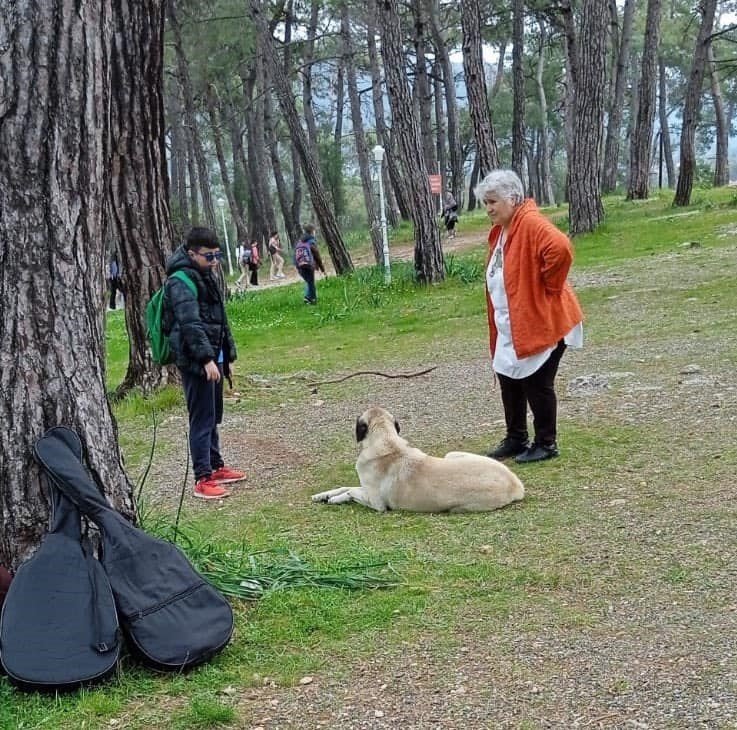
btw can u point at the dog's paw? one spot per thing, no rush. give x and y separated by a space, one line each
321 497
340 498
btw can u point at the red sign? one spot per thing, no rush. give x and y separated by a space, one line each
436 184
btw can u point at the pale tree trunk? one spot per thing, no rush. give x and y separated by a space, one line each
429 265
189 109
256 202
307 61
639 177
451 104
616 108
586 209
518 87
178 163
664 126
259 150
192 175
721 164
359 136
692 105
547 197
395 189
478 106
138 185
441 131
320 201
53 168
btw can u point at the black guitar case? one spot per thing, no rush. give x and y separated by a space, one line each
59 627
173 618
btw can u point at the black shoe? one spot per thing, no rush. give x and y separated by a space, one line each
538 452
508 447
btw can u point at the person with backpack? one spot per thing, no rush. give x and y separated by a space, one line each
450 214
307 259
255 262
244 261
276 270
203 349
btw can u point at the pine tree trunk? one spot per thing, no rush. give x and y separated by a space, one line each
547 197
518 87
307 61
441 131
589 64
359 136
692 105
320 201
639 177
664 126
138 185
616 108
721 164
179 159
429 265
53 170
473 68
422 89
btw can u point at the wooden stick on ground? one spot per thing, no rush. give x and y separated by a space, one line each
372 372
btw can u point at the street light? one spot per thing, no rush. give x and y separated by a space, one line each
221 205
379 157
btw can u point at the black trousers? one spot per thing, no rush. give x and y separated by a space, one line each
538 391
205 406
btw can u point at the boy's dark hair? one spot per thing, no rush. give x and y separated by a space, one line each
309 228
275 233
201 238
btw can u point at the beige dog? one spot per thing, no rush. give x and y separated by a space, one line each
394 475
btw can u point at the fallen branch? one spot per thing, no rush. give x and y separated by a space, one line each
373 372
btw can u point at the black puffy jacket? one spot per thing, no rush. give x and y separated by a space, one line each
197 326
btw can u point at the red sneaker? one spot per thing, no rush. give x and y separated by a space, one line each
206 488
224 475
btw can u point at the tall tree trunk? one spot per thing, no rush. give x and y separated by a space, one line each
138 185
639 177
422 89
339 104
256 202
441 131
472 202
179 163
396 188
307 61
547 197
518 87
721 164
478 106
53 168
692 105
451 104
429 265
616 108
589 66
320 201
194 187
189 108
259 150
664 126
359 137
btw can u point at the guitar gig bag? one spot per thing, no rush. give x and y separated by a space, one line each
59 627
172 617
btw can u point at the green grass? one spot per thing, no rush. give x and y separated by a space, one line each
554 561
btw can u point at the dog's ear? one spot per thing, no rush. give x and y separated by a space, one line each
396 425
361 429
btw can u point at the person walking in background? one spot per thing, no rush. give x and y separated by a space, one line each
276 270
254 263
307 259
450 214
532 312
204 350
243 252
114 281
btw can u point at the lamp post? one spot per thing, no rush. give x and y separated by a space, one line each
221 205
379 157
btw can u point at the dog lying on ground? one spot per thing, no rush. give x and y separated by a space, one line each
394 475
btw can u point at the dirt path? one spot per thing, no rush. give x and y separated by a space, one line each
661 654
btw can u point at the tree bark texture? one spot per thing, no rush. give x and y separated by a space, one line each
307 61
320 202
423 89
478 106
178 136
639 177
664 126
138 184
518 87
547 197
54 124
586 209
616 108
692 105
721 163
359 136
259 151
429 265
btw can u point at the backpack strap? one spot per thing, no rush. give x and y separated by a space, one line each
184 278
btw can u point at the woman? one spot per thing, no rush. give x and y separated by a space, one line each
532 311
277 260
450 214
255 263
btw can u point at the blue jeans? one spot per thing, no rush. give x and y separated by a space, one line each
308 274
205 407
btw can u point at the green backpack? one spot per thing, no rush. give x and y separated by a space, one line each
158 339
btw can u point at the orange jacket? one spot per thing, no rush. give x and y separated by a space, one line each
542 305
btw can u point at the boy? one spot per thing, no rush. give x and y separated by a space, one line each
307 259
203 346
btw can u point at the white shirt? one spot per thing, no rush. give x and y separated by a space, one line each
505 360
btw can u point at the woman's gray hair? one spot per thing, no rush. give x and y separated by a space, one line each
504 184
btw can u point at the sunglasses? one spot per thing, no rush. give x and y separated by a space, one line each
211 256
